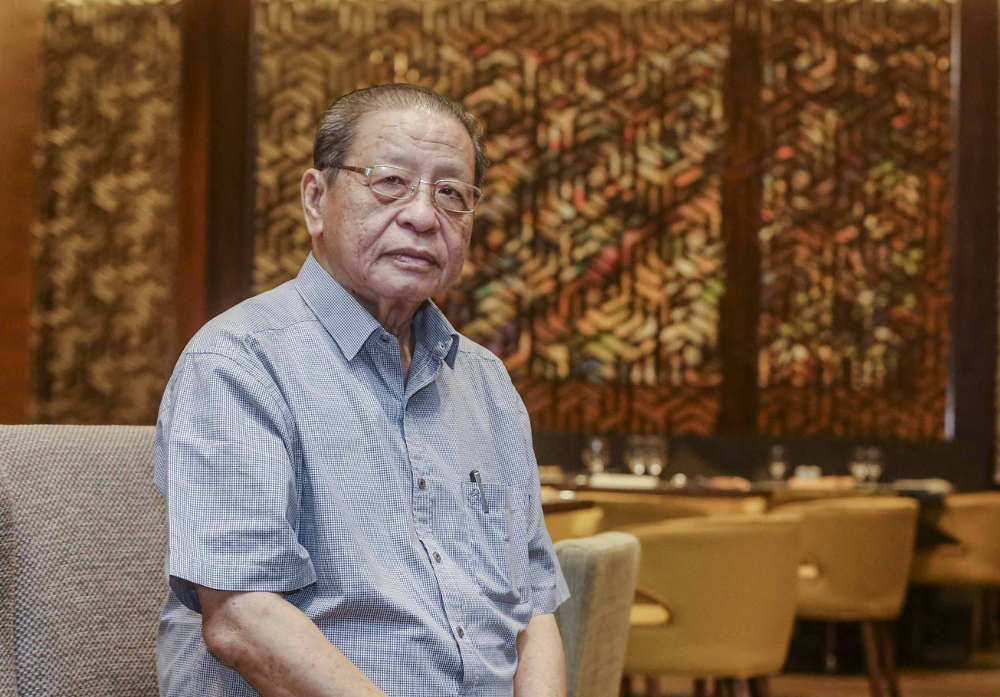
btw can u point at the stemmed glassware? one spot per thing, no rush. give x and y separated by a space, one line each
596 455
858 466
777 466
646 455
866 466
874 464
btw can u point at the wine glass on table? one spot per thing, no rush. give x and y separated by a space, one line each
874 465
777 466
858 467
597 454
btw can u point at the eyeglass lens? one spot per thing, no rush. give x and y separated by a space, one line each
400 183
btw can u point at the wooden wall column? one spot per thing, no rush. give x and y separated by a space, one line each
972 413
19 82
739 310
216 217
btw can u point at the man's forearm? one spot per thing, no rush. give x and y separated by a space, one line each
276 648
541 663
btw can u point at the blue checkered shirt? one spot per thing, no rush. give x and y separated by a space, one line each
293 459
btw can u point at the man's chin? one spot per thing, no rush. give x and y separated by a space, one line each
407 290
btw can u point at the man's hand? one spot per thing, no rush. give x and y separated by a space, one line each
276 648
541 664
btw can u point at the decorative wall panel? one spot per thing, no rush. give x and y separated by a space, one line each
104 243
854 323
596 263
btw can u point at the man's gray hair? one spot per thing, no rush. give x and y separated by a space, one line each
336 131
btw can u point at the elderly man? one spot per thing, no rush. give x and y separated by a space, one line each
352 495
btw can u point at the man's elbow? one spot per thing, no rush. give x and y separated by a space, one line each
221 628
223 638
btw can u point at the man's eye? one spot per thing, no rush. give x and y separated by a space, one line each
394 181
449 191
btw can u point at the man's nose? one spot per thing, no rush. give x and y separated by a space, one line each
420 211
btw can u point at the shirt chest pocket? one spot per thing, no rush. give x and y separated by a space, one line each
499 552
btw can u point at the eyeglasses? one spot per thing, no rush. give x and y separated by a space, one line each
395 182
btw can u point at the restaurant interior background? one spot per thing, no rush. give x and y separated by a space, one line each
730 223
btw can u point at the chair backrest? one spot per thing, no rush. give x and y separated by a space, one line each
973 520
728 586
565 525
683 505
81 560
643 508
601 572
858 552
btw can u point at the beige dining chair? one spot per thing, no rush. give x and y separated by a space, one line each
613 512
600 571
716 600
621 512
972 561
973 521
564 525
82 544
700 503
855 567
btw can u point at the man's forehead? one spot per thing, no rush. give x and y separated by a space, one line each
415 133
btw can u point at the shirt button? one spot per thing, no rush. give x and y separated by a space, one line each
460 632
437 557
421 483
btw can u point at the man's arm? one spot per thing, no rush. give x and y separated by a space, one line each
276 648
541 664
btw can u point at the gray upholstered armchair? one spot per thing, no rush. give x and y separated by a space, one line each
82 544
601 573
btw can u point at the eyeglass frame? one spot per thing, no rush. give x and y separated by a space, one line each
367 171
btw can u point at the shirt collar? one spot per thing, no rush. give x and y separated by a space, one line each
351 325
435 332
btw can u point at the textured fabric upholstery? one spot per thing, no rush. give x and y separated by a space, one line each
600 572
81 559
8 569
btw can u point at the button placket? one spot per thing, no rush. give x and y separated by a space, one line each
422 493
421 459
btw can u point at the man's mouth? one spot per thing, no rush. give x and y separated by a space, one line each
414 257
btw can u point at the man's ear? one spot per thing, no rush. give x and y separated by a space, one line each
313 187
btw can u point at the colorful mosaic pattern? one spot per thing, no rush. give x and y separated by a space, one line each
104 244
596 266
856 208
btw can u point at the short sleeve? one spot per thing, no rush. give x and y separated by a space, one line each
548 586
225 464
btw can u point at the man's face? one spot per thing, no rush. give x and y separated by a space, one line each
385 249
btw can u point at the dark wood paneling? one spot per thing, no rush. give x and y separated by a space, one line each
215 270
196 88
974 242
230 198
739 310
19 80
